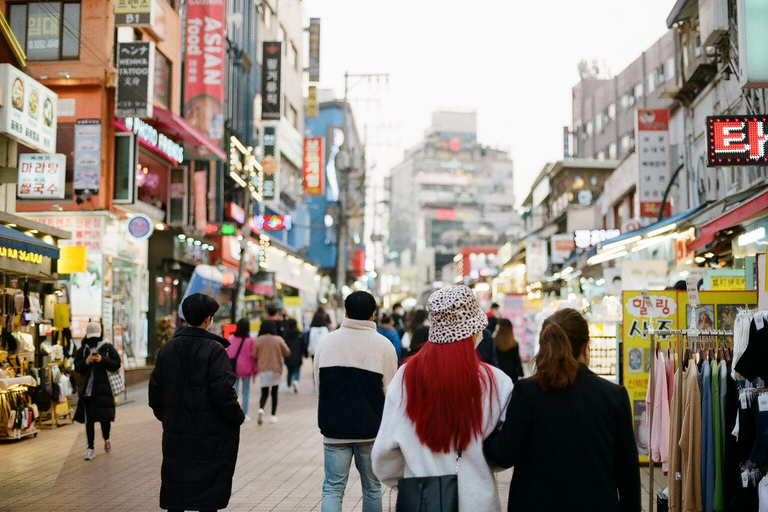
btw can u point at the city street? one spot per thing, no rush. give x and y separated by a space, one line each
280 467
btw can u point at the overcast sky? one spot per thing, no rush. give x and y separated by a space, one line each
513 62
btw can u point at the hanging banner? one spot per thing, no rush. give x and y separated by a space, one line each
205 279
536 260
652 127
204 67
269 164
562 247
737 140
312 102
87 165
314 49
41 176
135 79
29 110
312 174
270 81
133 13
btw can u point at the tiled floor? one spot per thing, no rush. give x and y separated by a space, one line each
279 466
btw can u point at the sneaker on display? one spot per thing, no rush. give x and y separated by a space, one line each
273 419
90 455
260 417
107 446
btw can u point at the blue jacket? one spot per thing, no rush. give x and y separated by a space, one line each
392 336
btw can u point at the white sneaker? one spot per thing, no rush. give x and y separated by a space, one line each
295 387
247 418
273 419
90 455
260 416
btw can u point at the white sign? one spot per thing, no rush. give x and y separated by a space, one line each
653 159
41 176
692 285
750 237
149 134
536 260
586 238
87 230
562 247
29 109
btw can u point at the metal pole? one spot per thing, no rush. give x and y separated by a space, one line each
650 419
341 240
239 308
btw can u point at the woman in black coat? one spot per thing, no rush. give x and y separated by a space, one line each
93 360
192 392
568 432
294 338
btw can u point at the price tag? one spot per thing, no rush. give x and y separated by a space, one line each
745 479
692 285
762 403
678 476
759 321
744 401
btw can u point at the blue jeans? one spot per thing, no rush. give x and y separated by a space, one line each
245 392
293 374
338 459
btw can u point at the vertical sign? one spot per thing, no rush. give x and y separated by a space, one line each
314 49
41 176
204 68
312 102
566 142
133 13
536 260
135 77
653 158
201 200
312 173
270 81
269 163
87 165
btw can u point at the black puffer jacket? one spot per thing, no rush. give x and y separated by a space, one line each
101 405
295 341
192 392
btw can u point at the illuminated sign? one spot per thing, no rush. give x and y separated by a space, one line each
158 141
739 140
750 237
274 222
586 238
312 172
25 256
140 227
223 229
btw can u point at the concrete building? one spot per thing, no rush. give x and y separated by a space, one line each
450 191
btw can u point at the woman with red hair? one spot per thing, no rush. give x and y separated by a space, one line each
443 403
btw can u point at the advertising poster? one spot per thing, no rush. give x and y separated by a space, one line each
87 168
536 260
718 310
204 67
313 166
270 81
135 79
652 127
29 113
562 247
636 356
41 176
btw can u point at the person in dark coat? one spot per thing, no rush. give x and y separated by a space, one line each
95 358
486 350
508 351
568 432
294 338
192 391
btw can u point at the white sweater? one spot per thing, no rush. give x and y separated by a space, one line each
398 453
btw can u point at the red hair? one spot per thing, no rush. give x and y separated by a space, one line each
445 385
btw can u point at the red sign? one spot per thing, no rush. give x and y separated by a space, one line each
739 140
653 159
235 212
446 214
204 67
312 173
274 222
201 199
358 262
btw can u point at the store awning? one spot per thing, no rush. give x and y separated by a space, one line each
174 125
12 239
743 211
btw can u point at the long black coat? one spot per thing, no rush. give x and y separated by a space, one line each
295 342
101 405
192 392
572 449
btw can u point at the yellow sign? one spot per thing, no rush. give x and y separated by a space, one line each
292 302
729 283
312 101
25 256
71 260
133 6
61 316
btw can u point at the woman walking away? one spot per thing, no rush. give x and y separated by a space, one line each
387 329
294 338
269 350
568 432
317 329
240 351
508 351
440 406
418 320
95 358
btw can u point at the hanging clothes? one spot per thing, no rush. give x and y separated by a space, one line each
690 441
675 471
670 376
762 492
718 502
659 443
707 440
740 339
753 363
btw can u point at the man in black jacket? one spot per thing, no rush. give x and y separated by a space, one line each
192 392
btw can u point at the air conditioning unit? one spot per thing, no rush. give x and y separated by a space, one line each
713 21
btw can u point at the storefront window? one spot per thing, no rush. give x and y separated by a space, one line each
125 156
162 79
47 30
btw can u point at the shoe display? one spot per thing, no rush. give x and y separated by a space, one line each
107 446
273 419
260 417
90 455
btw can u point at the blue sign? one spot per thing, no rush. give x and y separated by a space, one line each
205 279
140 227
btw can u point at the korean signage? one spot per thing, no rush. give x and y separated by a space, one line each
312 174
41 176
653 159
586 238
204 67
269 164
87 155
23 256
29 110
312 102
87 230
133 13
739 140
135 79
43 35
270 81
536 260
562 247
314 49
159 142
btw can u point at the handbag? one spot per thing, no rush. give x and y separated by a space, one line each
233 361
116 382
429 493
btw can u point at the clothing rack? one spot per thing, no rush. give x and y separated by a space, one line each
688 333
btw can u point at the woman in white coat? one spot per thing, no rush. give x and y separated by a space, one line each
444 399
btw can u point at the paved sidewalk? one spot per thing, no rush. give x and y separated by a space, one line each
279 468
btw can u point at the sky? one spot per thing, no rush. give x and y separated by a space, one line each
513 62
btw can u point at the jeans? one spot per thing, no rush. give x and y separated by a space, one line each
293 374
338 459
90 434
245 392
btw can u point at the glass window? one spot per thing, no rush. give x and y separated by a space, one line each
17 16
599 122
601 155
625 102
637 91
589 128
162 79
625 142
668 69
612 153
125 158
650 82
612 111
70 38
47 30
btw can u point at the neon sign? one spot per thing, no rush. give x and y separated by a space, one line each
25 256
737 140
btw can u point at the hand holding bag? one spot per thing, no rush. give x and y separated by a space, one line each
429 493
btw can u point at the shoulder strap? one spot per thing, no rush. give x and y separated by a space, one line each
242 342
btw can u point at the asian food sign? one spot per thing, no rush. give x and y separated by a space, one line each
28 114
41 176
